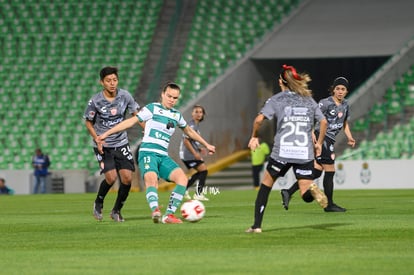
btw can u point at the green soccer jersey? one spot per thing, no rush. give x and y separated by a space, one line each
160 125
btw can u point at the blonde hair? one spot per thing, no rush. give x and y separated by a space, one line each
296 82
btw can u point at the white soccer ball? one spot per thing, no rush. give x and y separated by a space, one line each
193 210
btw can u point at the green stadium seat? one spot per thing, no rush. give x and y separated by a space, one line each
377 114
394 107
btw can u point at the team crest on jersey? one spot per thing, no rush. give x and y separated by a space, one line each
340 114
113 111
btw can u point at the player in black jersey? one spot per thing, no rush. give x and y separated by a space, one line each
296 113
336 110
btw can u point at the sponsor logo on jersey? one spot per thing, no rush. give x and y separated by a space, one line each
335 126
300 111
111 122
161 136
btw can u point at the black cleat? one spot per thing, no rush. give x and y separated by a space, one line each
97 211
285 198
334 208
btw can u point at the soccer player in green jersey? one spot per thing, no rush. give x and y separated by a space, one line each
160 120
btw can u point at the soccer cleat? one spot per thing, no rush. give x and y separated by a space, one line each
253 230
97 211
200 197
156 215
318 195
116 216
187 195
285 198
334 208
170 218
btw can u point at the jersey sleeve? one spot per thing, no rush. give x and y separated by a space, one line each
347 115
133 106
268 109
181 122
319 115
144 114
323 105
90 111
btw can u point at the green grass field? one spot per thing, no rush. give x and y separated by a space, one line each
56 234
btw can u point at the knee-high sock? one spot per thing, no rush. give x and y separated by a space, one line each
176 198
192 179
328 186
293 188
151 193
103 190
201 181
260 205
256 169
123 193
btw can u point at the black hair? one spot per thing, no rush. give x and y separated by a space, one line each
171 85
107 71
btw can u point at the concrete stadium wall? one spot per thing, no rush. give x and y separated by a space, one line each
231 105
21 181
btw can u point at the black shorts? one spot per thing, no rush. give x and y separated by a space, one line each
328 152
279 168
192 163
115 158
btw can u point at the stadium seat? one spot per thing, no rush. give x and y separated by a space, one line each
48 46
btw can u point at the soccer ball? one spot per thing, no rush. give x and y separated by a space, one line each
193 210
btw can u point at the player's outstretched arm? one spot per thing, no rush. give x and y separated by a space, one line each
126 124
194 135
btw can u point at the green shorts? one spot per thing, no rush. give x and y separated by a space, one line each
163 165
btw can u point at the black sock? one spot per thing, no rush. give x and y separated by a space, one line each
260 205
293 188
201 181
103 190
123 193
328 186
192 179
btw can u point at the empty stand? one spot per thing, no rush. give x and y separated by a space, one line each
222 32
51 54
387 131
